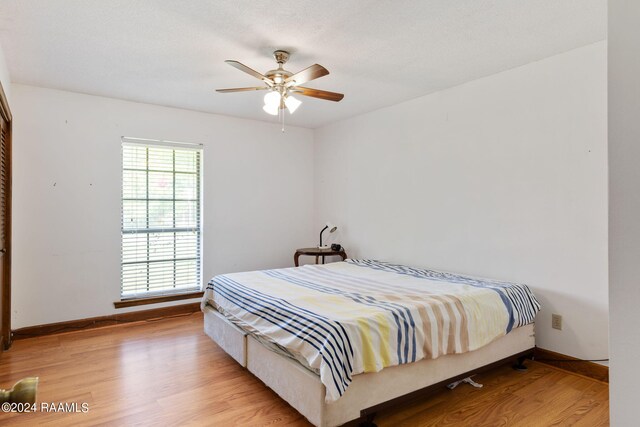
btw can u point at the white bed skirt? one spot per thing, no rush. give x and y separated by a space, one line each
303 390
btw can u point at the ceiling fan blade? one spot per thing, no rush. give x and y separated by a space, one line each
241 89
240 66
317 93
311 73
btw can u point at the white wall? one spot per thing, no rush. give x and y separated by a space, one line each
624 209
258 196
503 177
5 78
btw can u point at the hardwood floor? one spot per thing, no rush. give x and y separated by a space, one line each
168 372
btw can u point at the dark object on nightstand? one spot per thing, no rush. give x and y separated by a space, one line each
318 253
336 247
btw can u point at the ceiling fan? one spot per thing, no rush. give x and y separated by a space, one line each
282 84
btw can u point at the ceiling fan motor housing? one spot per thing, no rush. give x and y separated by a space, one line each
280 74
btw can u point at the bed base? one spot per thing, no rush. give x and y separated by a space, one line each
368 393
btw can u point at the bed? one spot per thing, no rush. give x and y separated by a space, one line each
338 341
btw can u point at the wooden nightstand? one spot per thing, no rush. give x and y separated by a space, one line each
318 253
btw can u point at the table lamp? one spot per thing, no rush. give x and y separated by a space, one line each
331 228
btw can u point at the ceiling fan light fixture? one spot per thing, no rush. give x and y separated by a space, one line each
272 100
292 103
271 109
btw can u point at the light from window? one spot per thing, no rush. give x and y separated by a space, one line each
161 222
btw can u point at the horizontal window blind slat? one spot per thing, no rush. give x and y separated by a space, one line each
161 204
153 261
139 199
160 230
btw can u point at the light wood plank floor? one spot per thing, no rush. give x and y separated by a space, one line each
168 372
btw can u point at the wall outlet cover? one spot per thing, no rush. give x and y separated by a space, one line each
556 321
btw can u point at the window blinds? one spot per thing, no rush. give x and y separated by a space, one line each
161 218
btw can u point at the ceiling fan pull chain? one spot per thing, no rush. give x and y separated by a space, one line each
282 112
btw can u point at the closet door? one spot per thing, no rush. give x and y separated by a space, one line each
5 225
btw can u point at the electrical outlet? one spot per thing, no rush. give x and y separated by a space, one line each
556 321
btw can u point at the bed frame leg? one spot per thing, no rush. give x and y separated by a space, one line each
519 365
368 421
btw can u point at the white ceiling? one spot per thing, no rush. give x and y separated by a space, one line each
379 53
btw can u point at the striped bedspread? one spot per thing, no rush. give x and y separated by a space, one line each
357 316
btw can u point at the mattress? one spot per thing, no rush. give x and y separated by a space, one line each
360 316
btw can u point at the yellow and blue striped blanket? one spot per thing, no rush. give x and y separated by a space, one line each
358 316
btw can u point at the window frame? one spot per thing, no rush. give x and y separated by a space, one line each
157 296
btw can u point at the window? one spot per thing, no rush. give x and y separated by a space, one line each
161 218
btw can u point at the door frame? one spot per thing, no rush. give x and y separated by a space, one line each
5 333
